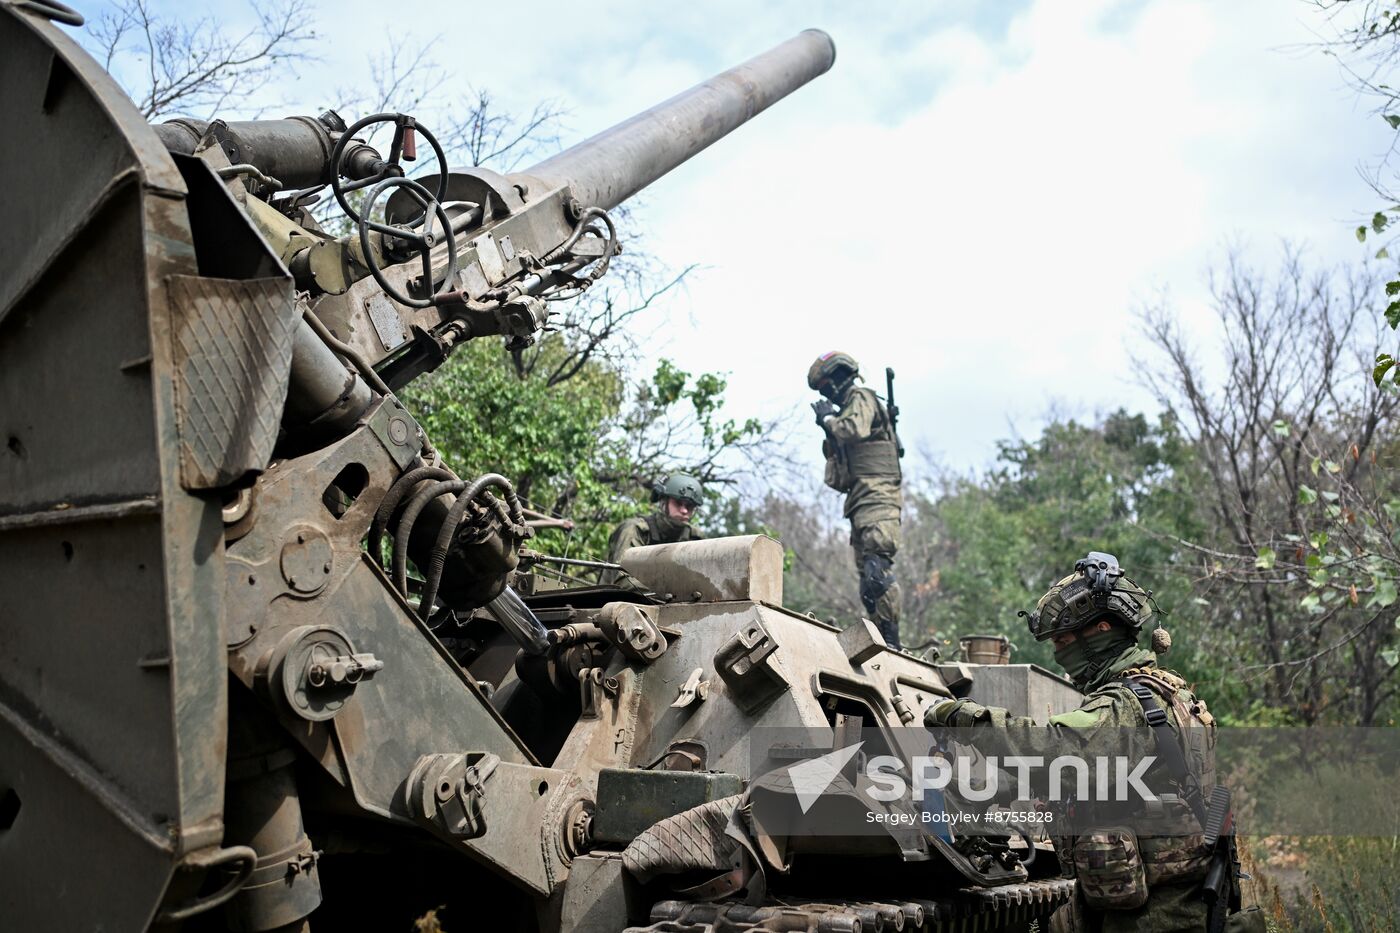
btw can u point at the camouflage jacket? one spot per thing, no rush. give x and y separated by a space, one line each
862 457
640 531
1172 846
1109 705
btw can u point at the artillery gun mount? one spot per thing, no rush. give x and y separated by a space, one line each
225 701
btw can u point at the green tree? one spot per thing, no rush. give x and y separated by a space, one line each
1001 539
1294 555
979 549
581 441
1364 37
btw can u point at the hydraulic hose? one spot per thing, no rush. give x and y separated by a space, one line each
433 577
395 495
416 505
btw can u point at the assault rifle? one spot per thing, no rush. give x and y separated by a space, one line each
892 408
1221 889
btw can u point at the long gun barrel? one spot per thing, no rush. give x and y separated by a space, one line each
488 279
612 166
603 171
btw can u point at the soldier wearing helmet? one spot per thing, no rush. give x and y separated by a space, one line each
862 461
677 497
1146 870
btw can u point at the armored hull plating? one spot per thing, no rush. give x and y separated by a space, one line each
261 662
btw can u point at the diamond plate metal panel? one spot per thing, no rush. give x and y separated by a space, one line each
232 353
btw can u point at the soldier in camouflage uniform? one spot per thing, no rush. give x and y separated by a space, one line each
676 497
862 461
1148 875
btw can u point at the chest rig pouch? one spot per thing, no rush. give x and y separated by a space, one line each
1110 869
1117 866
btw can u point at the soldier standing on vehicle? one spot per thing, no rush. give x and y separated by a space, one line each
862 460
1163 868
677 497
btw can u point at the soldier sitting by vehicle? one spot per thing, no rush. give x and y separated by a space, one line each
677 498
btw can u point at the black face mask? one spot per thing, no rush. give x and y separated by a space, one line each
1083 658
836 392
1075 659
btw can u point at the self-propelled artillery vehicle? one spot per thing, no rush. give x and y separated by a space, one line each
262 663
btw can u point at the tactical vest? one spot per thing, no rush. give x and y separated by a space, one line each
1117 866
1195 724
876 457
655 532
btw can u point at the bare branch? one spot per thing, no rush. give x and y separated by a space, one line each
194 67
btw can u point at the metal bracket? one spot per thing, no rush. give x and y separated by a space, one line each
745 663
448 792
633 630
313 671
592 686
397 431
692 690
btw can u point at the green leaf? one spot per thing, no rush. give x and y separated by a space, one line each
1392 314
1306 495
1281 428
1384 363
1392 289
1386 593
1378 221
1319 539
1315 465
1311 602
1361 234
1382 253
1265 559
1393 119
1333 466
1391 657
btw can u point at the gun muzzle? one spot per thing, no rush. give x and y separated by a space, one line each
612 166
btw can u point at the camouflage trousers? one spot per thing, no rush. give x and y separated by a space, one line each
1169 908
875 542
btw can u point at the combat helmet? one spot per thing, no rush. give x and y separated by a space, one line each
680 486
835 367
1097 590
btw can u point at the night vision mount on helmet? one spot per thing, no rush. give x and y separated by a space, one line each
1097 590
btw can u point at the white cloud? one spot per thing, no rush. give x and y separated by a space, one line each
993 243
978 196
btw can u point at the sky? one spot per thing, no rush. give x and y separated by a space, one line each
980 195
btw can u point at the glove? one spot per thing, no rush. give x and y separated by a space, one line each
824 409
942 713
